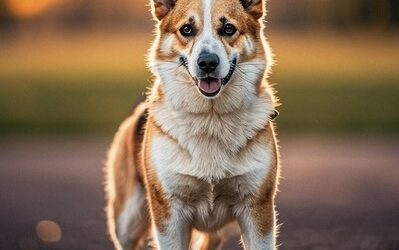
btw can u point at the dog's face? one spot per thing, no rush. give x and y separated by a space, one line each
210 45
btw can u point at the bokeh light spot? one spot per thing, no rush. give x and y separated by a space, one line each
48 231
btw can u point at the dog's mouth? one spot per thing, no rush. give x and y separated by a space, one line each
209 86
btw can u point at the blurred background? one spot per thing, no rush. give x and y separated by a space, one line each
70 72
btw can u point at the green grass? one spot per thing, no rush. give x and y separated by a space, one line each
367 109
97 104
50 104
88 83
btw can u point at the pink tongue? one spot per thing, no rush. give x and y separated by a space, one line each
209 87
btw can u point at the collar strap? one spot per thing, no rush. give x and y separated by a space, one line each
273 115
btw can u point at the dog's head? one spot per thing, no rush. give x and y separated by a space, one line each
209 50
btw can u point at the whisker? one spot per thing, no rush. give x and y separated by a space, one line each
243 63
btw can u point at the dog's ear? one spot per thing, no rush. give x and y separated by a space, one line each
254 7
160 8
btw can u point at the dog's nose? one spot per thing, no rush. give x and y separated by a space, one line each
208 62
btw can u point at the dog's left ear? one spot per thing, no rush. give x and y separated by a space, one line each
254 7
160 8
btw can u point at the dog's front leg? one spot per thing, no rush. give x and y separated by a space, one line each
175 234
258 227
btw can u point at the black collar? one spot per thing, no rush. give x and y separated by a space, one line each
274 115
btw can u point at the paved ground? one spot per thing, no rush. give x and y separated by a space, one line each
337 193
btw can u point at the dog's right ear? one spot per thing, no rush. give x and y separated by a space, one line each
160 8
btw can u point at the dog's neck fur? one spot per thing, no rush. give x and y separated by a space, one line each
213 135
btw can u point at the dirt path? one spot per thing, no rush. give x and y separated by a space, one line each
337 193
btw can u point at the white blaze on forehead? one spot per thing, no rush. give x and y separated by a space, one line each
207 20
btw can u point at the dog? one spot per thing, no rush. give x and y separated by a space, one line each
200 153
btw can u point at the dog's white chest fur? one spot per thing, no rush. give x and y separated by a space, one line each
210 146
207 163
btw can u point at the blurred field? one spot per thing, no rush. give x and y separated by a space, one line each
89 82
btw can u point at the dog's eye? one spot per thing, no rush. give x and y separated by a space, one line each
187 30
229 29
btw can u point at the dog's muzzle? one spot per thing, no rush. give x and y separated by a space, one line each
210 86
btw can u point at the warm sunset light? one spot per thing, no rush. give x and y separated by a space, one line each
28 8
152 124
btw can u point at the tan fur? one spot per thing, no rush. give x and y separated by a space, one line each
189 202
262 206
158 203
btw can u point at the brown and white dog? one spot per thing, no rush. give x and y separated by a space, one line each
200 152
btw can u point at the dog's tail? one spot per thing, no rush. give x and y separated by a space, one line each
123 170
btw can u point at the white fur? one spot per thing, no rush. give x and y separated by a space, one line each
210 146
207 33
